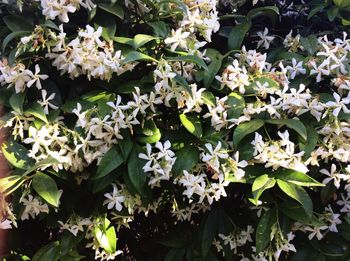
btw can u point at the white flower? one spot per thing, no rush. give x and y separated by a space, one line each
333 175
315 231
45 102
213 156
33 207
178 38
296 68
114 199
265 39
36 78
339 104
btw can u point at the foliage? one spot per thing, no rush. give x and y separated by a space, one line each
176 130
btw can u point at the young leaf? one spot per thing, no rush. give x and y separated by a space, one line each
110 161
246 128
142 39
104 233
264 228
261 184
137 56
46 187
298 193
186 158
193 124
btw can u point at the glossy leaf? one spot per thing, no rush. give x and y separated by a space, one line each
264 228
246 128
192 124
298 193
105 234
110 161
186 158
17 155
261 184
46 187
237 35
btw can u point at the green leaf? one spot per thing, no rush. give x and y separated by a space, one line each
192 123
17 155
310 43
141 39
105 234
17 101
237 34
46 187
269 11
135 172
297 178
49 161
182 81
68 241
175 254
160 28
110 161
264 228
246 128
113 8
186 159
125 146
236 105
109 27
10 183
261 184
315 10
309 145
37 111
12 36
209 232
151 133
137 56
189 59
213 68
296 212
18 23
298 193
208 98
294 124
332 13
50 252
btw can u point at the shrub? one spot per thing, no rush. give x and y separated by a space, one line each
176 130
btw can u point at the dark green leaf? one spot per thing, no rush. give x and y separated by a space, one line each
310 43
110 161
18 23
294 124
50 252
236 105
209 231
113 8
136 174
264 228
189 59
186 158
160 28
237 34
246 128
